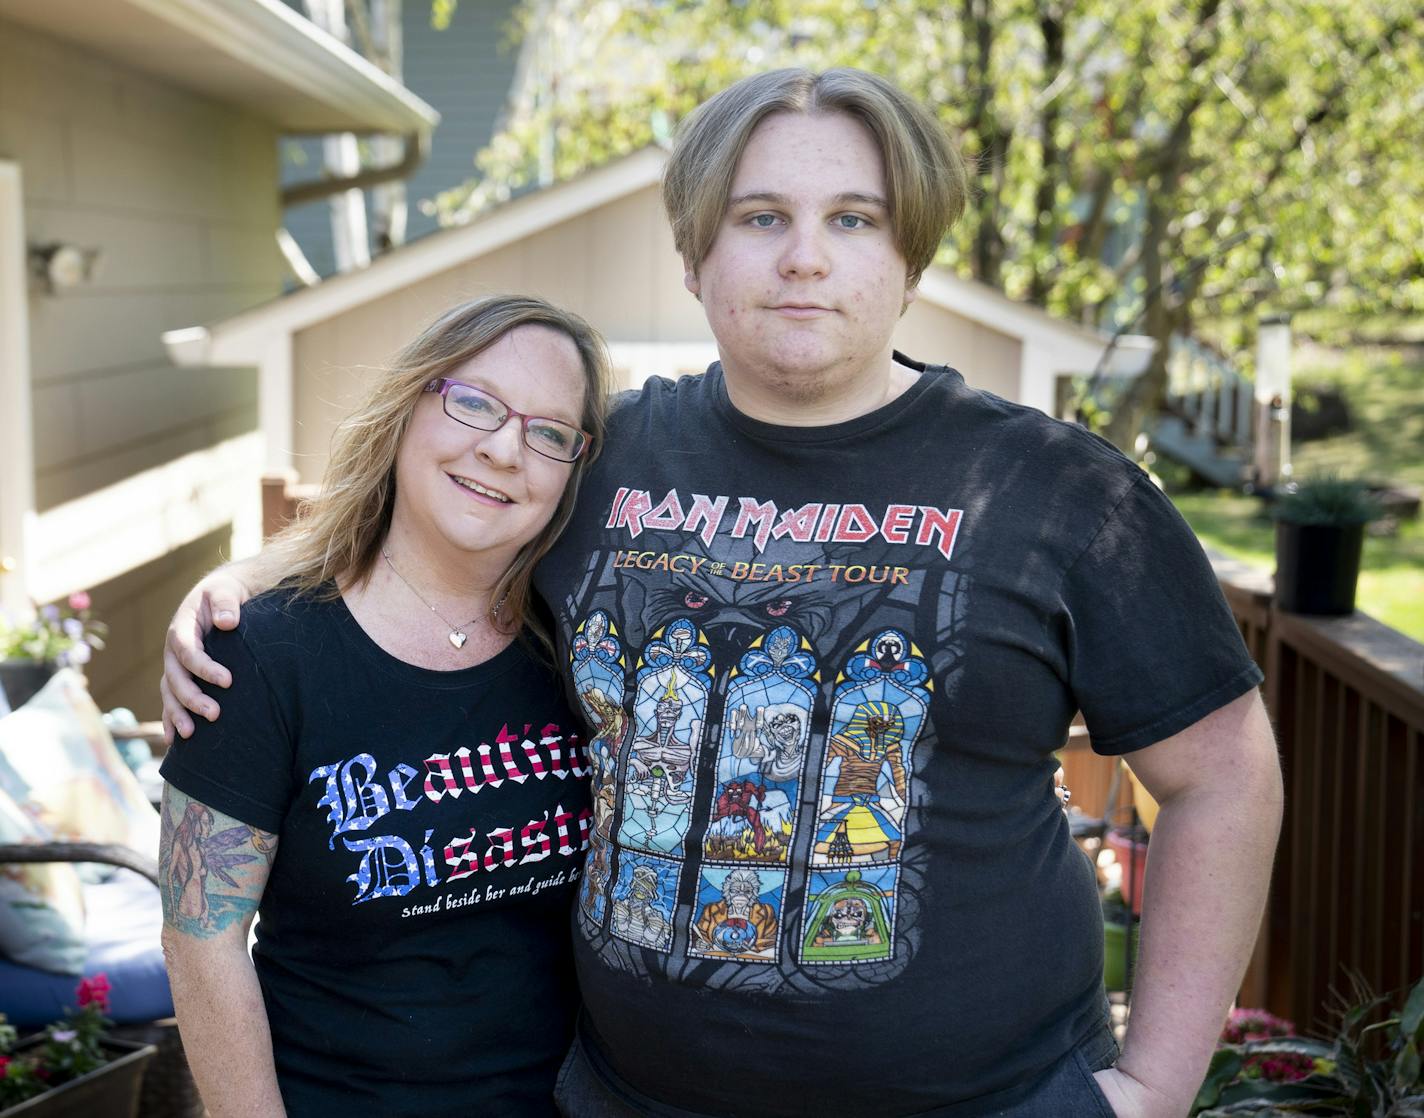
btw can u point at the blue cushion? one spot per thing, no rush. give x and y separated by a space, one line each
122 924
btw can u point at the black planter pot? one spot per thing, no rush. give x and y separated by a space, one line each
1317 567
22 678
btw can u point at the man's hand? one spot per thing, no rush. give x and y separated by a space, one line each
214 602
1131 1098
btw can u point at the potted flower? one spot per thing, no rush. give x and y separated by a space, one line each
56 636
1320 531
1368 1068
72 1067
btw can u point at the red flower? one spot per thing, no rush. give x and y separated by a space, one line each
94 991
79 600
1279 1067
4 1066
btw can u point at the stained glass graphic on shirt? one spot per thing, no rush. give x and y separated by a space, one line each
765 732
738 913
674 683
880 704
657 597
599 668
643 898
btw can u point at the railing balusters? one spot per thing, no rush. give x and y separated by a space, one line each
1344 696
1347 897
1411 928
1361 858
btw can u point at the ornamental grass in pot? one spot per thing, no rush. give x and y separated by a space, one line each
1320 532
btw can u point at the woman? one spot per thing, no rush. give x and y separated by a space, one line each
394 785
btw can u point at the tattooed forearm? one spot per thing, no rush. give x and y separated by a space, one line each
212 868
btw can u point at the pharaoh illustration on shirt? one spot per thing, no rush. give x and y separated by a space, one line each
862 819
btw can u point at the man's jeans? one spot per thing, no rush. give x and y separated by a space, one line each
1066 1090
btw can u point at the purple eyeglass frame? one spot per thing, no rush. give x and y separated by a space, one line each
442 385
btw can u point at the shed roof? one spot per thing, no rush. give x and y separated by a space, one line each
242 338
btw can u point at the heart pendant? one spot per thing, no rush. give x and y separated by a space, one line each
458 639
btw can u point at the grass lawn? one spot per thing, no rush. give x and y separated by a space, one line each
1385 392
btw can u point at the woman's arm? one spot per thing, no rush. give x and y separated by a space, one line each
213 603
212 871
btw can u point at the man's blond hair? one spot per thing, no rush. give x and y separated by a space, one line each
924 174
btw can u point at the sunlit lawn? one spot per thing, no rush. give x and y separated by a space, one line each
1385 392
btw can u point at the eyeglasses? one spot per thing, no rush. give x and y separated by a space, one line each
484 411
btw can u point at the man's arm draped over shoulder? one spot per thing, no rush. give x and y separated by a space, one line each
213 603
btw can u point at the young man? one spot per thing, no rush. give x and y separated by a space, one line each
829 612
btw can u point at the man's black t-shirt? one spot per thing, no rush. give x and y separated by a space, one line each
413 941
828 668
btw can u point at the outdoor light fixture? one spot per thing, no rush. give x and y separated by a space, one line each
59 267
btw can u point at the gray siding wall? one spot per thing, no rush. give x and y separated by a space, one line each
465 73
179 194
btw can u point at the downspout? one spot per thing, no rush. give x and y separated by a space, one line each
417 150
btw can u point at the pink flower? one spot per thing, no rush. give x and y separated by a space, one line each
1254 1024
95 991
80 600
4 1066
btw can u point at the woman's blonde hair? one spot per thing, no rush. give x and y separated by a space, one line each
338 540
924 173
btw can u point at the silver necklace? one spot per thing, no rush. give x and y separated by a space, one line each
457 635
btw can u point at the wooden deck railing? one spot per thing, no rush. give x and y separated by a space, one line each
1347 895
283 500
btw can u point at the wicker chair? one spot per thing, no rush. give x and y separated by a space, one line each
168 1089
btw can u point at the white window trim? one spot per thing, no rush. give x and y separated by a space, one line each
17 460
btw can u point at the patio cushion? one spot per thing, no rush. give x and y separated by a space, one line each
57 758
124 918
41 906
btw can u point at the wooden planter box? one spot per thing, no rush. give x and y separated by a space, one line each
110 1091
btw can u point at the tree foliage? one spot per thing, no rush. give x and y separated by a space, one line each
1170 163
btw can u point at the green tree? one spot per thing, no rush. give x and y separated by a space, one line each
1180 164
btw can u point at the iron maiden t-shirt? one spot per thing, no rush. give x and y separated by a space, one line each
413 941
826 669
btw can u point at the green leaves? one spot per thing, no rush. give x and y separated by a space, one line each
1341 1079
1099 126
1411 1021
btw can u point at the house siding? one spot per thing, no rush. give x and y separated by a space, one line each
465 73
178 193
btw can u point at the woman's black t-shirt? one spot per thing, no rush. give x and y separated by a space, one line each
413 940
